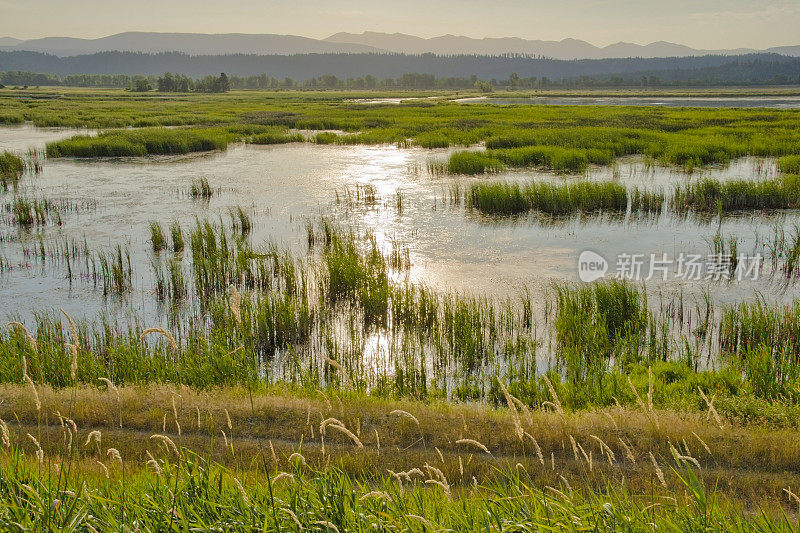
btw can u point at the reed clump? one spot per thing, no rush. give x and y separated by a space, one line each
141 142
11 169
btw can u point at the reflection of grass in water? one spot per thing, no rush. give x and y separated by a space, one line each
295 311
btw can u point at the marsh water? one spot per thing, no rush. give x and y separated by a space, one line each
112 202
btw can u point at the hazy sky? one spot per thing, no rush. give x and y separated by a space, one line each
697 23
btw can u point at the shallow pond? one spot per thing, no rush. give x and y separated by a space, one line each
111 202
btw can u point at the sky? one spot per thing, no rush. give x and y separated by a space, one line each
707 24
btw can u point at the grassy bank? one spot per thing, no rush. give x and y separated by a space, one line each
563 138
350 460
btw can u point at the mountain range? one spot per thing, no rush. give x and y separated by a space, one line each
366 42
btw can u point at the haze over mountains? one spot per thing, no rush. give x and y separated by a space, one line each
367 42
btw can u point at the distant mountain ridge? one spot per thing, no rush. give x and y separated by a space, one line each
188 43
564 49
366 42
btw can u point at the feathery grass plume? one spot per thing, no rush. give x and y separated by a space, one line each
611 418
556 402
604 448
327 401
282 475
104 468
114 454
376 494
405 414
438 451
164 423
574 447
536 447
342 371
628 452
377 440
198 416
518 429
524 408
164 333
175 416
792 496
424 521
73 366
234 303
659 472
588 458
475 443
325 523
299 457
460 466
711 409
347 432
224 436
27 379
39 451
167 442
5 435
110 386
566 484
444 487
636 394
293 517
440 477
35 442
228 419
327 422
94 436
648 411
241 490
74 330
702 442
153 463
685 458
272 451
27 333
557 493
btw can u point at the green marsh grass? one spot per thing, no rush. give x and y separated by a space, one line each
11 169
469 162
708 195
551 199
141 142
789 164
176 233
564 138
157 239
201 189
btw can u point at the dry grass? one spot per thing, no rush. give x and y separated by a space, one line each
748 463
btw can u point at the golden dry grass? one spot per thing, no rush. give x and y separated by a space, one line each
748 463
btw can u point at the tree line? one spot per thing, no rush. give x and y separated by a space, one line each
752 71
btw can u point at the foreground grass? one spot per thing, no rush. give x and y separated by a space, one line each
348 453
